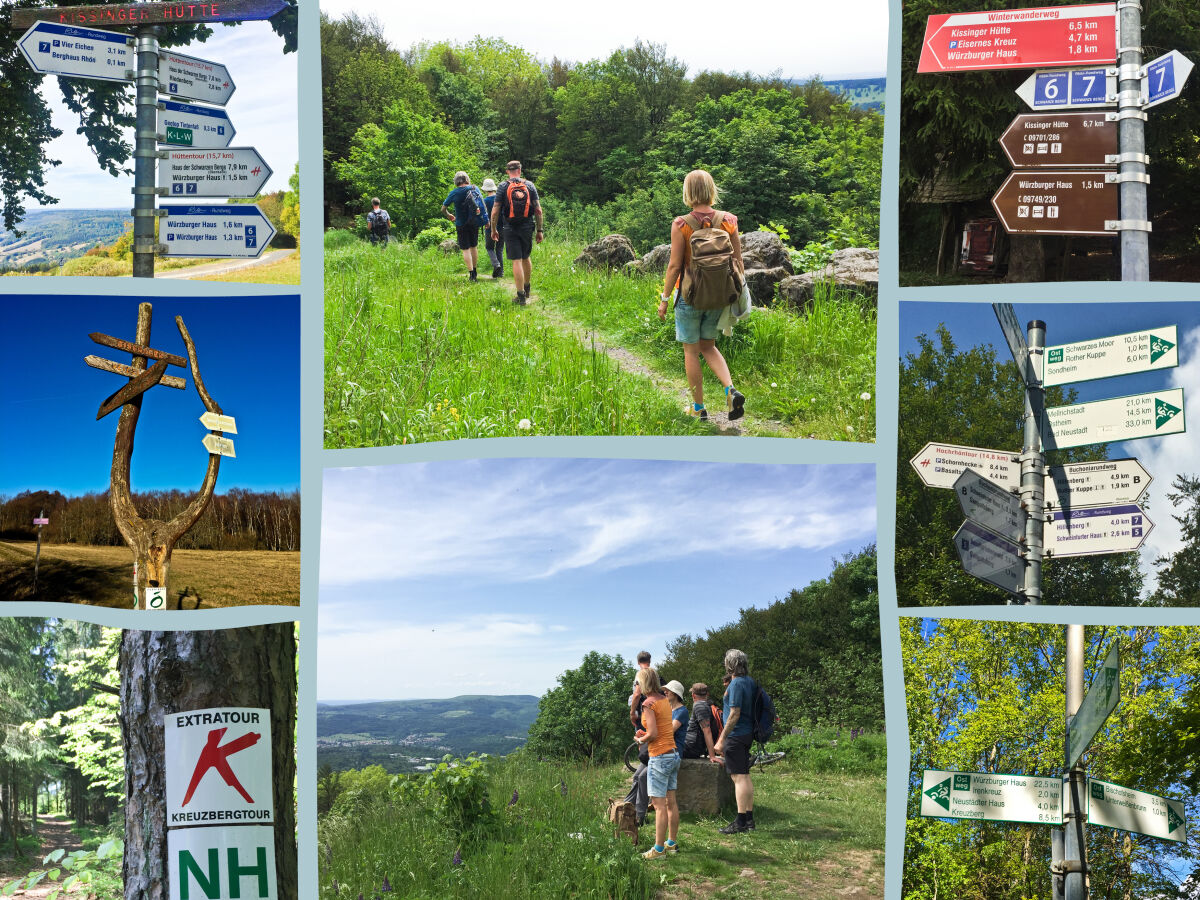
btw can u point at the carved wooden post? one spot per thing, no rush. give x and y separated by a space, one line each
152 540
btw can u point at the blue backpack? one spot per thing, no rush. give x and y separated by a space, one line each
763 716
479 216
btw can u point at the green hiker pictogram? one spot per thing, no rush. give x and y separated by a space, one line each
1110 680
1174 820
1164 412
940 794
1159 347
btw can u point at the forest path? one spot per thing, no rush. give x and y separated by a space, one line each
56 834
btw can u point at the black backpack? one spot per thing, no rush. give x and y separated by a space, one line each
378 219
764 716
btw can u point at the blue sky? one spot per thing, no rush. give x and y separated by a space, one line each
972 324
249 354
494 576
263 110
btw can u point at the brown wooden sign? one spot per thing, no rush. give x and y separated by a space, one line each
131 14
106 340
135 388
105 365
1033 201
1059 139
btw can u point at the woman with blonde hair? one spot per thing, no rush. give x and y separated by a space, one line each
663 770
696 329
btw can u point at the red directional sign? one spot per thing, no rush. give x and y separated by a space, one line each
1060 139
1020 38
1033 201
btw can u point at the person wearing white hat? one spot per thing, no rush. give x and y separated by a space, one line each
494 246
679 713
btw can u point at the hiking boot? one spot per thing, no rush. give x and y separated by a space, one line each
734 827
520 299
736 403
749 824
497 272
654 853
701 413
473 275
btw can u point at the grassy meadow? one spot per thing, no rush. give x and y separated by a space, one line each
415 352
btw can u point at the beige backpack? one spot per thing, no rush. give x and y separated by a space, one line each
710 280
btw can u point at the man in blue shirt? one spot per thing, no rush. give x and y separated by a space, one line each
468 216
737 737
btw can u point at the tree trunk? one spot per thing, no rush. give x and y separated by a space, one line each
1026 259
164 672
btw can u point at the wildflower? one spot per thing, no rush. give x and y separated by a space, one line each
585 371
513 801
849 429
457 861
773 384
387 888
812 399
524 425
454 412
864 396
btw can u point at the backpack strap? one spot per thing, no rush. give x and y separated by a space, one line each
692 222
718 218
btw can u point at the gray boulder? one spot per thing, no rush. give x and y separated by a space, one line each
612 251
762 283
855 269
655 262
448 246
764 250
704 787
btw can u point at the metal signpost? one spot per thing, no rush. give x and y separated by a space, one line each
1076 201
188 125
1119 419
39 521
1121 354
239 231
983 795
1101 700
1070 88
1102 529
1114 806
990 557
1064 139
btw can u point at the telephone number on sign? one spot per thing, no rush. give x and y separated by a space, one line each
1037 198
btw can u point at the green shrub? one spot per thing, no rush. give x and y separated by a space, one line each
340 238
433 235
99 266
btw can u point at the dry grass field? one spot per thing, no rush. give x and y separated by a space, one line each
103 576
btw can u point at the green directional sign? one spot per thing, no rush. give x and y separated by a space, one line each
1101 700
182 136
1115 806
1121 354
940 794
1153 414
991 796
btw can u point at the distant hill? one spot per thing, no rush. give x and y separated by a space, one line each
866 93
404 734
56 235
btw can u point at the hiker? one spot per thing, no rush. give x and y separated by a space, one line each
637 792
494 246
679 714
717 277
703 729
658 736
737 737
379 224
470 214
519 208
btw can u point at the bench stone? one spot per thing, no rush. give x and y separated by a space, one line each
704 787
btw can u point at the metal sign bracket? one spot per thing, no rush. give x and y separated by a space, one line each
1130 72
1127 225
1113 159
1127 113
1118 177
151 248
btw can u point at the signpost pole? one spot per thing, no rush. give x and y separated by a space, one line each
37 555
145 152
1134 226
1073 803
1033 468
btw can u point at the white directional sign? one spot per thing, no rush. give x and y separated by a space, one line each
222 863
218 766
1119 419
1102 529
188 125
986 503
1121 354
231 172
54 49
1101 700
216 422
989 557
981 795
156 598
220 445
1113 806
1164 78
940 465
1014 334
189 78
232 230
1050 89
1106 482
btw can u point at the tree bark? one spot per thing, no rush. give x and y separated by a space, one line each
165 672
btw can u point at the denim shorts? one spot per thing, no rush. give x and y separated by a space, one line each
693 325
663 774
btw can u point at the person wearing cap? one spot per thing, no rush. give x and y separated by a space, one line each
520 211
679 714
698 742
494 246
662 778
469 208
379 224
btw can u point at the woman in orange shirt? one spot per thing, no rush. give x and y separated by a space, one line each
697 329
663 771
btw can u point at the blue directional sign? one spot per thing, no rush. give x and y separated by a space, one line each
237 230
1164 78
79 52
1069 89
188 125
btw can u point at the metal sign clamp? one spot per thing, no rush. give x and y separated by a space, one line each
1118 177
151 248
1118 158
1130 98
1127 225
1128 113
150 191
1130 72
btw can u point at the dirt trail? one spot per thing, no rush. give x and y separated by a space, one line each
55 833
224 268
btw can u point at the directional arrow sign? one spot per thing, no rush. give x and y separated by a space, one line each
982 795
1020 38
1106 482
990 558
1113 806
1121 354
986 503
1066 202
188 125
232 231
1014 334
1119 419
1164 78
940 465
126 14
232 172
1101 700
219 445
189 78
82 52
1102 529
1060 139
217 422
41 521
1069 89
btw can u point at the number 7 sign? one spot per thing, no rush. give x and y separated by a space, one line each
1048 89
1164 78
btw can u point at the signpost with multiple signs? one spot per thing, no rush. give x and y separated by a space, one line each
982 795
1069 89
1152 414
1035 140
1121 354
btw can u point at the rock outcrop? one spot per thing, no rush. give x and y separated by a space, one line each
612 251
855 269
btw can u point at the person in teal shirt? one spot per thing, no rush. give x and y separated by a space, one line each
736 738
